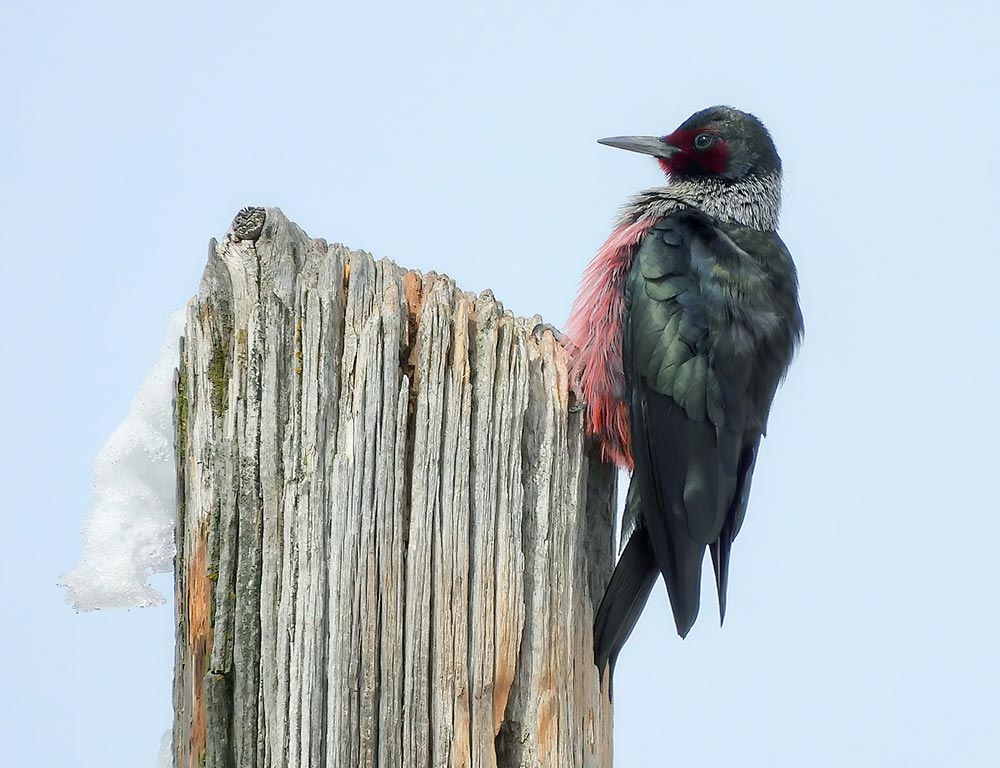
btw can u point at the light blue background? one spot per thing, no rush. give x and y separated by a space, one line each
863 623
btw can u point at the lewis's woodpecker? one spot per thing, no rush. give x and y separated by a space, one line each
686 322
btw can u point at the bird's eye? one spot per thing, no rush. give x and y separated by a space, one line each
703 140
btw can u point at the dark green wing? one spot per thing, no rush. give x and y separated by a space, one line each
712 321
690 363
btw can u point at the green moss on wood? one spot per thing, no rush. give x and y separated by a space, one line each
182 411
219 379
219 318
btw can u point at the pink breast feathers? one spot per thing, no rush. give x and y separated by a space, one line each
594 340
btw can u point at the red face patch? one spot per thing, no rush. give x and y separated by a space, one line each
692 161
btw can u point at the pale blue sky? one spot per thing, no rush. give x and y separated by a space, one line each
862 626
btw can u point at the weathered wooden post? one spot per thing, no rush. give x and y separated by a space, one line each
390 538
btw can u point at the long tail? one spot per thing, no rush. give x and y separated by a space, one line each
627 592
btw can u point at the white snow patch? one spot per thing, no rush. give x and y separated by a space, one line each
165 757
128 534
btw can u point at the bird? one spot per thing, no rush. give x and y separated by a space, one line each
686 322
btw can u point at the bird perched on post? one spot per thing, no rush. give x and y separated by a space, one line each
686 322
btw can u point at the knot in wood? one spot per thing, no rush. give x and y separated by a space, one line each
249 223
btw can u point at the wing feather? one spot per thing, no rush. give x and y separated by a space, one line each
711 322
685 441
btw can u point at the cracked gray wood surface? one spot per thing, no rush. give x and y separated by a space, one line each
391 540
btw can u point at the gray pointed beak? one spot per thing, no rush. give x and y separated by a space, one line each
647 145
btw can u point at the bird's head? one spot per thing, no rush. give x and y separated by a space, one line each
718 142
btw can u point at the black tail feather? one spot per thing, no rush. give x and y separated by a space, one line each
720 562
623 601
682 576
722 546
